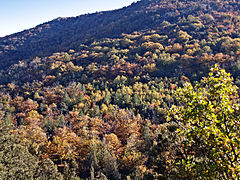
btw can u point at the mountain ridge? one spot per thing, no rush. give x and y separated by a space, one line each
62 34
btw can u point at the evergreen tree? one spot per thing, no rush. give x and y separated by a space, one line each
17 163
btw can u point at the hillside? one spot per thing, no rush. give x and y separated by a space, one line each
134 93
64 33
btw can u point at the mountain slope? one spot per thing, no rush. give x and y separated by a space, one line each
99 103
65 33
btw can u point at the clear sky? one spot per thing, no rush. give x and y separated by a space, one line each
18 15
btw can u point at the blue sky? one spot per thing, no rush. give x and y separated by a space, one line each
17 15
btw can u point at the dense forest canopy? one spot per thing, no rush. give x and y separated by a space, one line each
149 91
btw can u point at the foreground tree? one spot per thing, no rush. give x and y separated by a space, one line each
208 118
16 162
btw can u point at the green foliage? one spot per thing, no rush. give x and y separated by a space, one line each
100 111
209 123
17 163
47 170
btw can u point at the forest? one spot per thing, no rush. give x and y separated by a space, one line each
149 91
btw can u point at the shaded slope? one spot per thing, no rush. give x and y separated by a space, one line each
65 33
